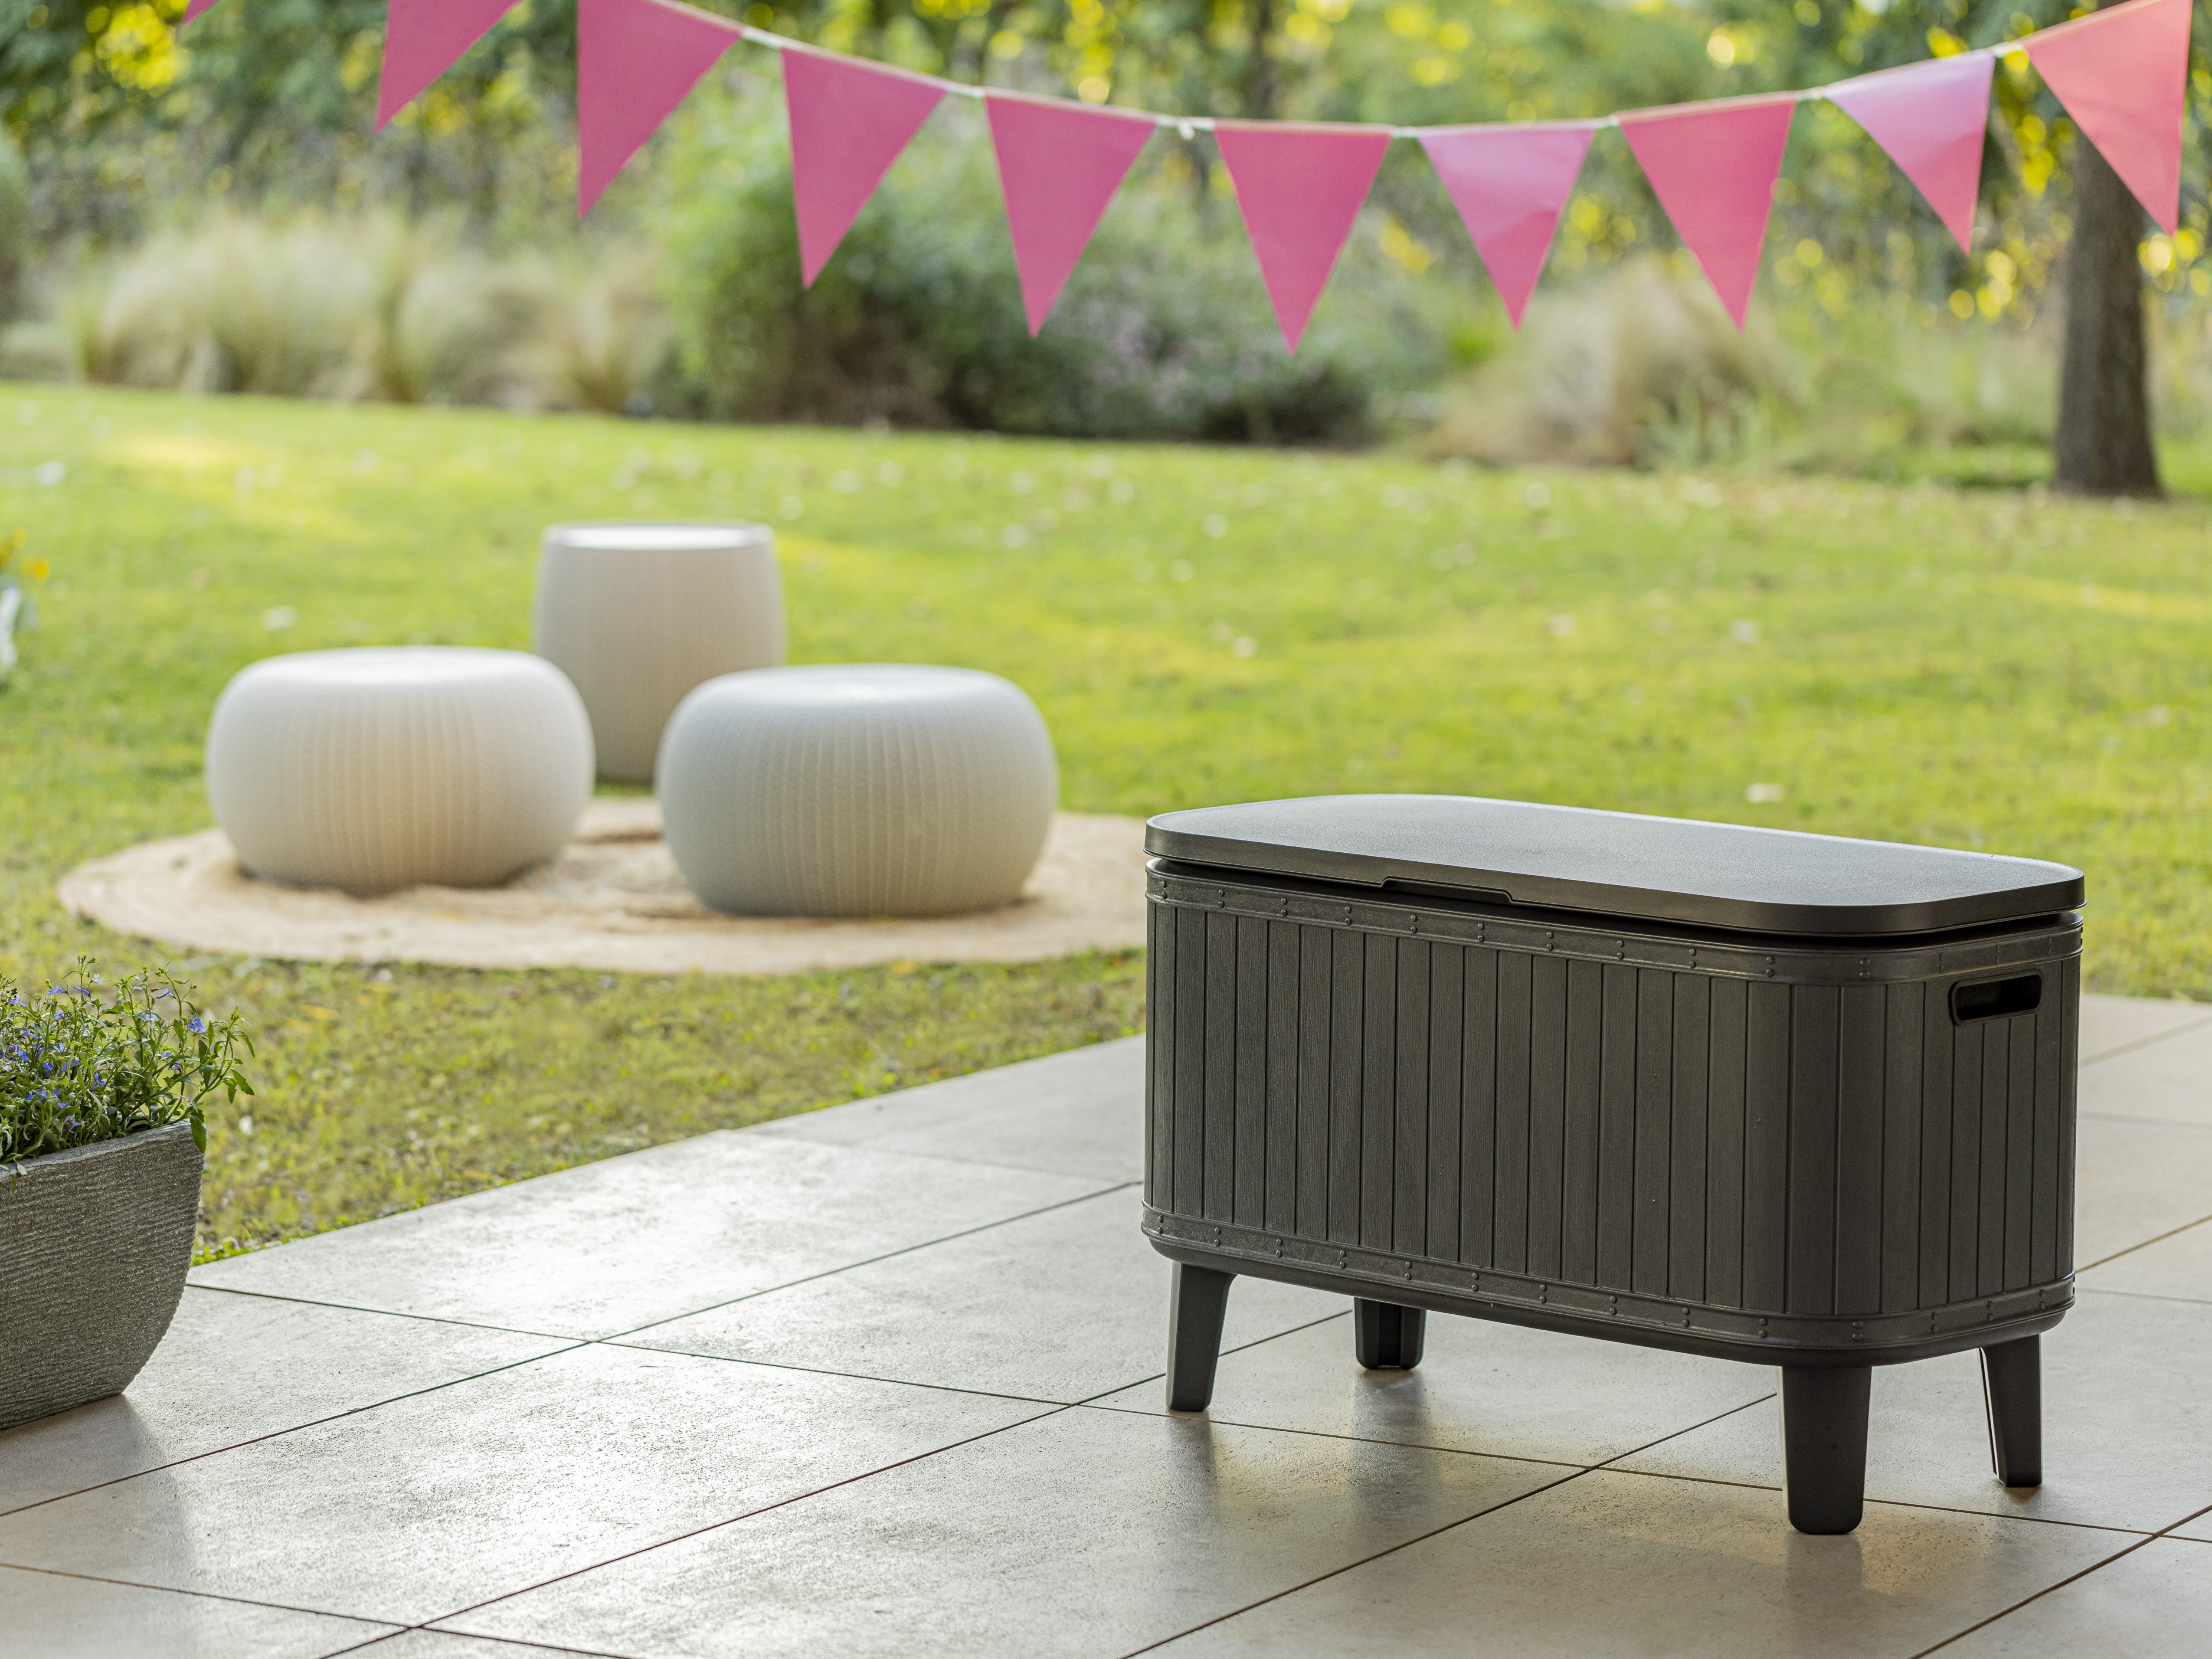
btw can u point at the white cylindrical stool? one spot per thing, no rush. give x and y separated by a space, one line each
378 768
638 614
857 790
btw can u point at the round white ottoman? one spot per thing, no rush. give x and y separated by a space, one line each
372 769
638 614
857 790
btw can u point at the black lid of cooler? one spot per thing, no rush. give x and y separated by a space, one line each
1621 863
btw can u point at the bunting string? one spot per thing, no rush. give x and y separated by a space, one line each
2121 73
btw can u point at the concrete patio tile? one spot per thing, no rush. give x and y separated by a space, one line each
44 1616
1481 1386
2152 1603
2169 1080
437 1502
2110 1023
2178 1266
442 1644
1087 1533
2127 1425
1078 1112
2135 1181
1063 1306
1622 1565
235 1368
607 1247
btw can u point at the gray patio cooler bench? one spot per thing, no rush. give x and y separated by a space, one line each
1770 1096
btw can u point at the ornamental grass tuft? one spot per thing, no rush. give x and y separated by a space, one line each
85 1062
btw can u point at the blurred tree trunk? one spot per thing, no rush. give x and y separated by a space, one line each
2104 443
1259 88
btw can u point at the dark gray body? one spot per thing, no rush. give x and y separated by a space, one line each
1642 1135
1786 1109
97 1241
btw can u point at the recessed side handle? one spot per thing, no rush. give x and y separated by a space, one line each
1996 999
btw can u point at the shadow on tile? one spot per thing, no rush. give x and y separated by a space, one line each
2152 1603
2127 1425
235 1367
49 1616
1481 1386
1089 1533
1611 1565
435 1503
1063 1306
607 1247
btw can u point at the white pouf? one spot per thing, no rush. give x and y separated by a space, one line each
857 790
372 769
638 614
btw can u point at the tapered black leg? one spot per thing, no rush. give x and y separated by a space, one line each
2012 1386
1387 1337
1200 1299
1824 1438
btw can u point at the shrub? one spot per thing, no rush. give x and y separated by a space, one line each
81 1063
1163 332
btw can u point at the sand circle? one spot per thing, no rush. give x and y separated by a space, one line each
611 899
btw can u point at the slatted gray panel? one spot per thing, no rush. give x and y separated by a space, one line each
1509 1216
1812 1223
1220 1137
1248 1201
1692 1059
1162 1044
1900 1146
1317 988
1655 1127
1585 1055
1616 1125
1378 1090
1966 1160
1990 1191
1409 1206
1447 1082
1730 1049
1937 1064
1477 1128
2049 1038
1766 1147
1860 1121
2068 1064
2019 1155
1346 1072
1547 1083
1190 1063
1283 1039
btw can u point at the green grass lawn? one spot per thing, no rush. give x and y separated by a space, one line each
1976 668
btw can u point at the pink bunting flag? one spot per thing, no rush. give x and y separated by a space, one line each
423 38
849 120
193 9
1931 119
1300 188
1059 166
1510 184
2123 76
635 59
1714 168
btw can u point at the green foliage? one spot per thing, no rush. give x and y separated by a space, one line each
1164 331
80 1064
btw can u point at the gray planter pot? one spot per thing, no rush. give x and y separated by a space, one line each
94 1246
